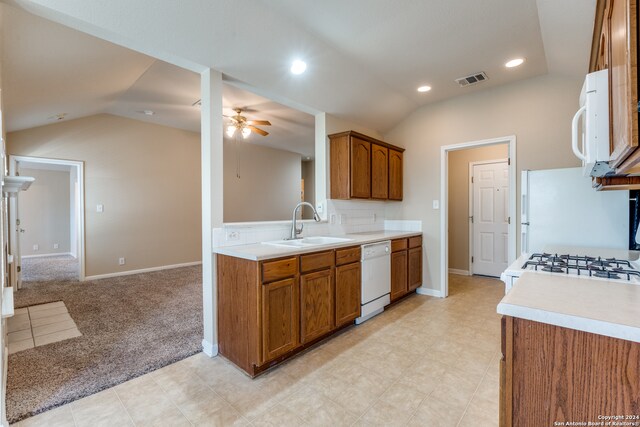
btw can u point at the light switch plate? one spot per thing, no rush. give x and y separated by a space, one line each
436 204
100 208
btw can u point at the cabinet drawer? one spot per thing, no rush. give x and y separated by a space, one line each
398 245
316 261
347 256
280 269
415 242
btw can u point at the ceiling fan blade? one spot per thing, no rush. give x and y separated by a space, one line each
258 131
259 122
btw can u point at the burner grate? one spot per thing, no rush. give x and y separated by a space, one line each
606 268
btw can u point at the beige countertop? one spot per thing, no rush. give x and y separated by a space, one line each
599 306
262 251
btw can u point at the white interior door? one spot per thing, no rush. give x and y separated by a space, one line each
15 231
490 218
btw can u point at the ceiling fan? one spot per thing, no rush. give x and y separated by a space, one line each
239 123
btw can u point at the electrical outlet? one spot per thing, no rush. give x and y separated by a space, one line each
121 261
36 247
333 218
100 208
232 235
56 246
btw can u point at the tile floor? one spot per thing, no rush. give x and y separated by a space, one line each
39 325
423 362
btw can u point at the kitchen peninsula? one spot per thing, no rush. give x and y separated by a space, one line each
570 350
275 300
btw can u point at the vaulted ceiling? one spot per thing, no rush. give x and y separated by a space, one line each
365 57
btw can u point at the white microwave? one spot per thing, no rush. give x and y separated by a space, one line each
590 142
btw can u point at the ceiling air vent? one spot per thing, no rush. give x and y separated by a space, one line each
473 79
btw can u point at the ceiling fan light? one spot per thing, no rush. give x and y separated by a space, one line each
231 129
246 132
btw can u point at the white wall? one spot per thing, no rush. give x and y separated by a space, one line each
260 183
45 213
537 111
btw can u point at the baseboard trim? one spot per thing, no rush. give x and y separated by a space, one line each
142 270
459 272
430 292
209 349
47 255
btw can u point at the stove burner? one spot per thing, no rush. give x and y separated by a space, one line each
607 268
553 269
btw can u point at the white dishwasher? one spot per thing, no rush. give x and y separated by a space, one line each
376 279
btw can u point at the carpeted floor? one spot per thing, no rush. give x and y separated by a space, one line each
131 325
62 267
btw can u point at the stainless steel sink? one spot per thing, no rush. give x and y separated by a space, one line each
308 241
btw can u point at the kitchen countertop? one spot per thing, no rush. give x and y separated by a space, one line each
261 251
603 307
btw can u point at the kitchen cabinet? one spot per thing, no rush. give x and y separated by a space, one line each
399 272
361 167
406 266
585 375
280 312
347 293
379 172
316 295
614 47
395 174
415 268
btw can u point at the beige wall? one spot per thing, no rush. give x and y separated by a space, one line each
537 111
260 183
459 199
146 176
45 213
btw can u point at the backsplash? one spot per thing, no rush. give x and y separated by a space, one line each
343 217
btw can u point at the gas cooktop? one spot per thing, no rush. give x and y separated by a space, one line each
605 268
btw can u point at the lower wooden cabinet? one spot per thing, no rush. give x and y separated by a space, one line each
269 310
280 311
550 375
398 274
406 266
316 304
347 293
415 268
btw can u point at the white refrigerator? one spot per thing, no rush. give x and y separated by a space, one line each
559 207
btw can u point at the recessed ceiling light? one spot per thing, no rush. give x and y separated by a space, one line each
424 88
298 67
147 112
514 62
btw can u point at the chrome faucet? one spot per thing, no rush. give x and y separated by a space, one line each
295 231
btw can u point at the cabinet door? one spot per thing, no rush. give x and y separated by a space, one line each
280 318
379 172
395 175
415 268
316 299
347 293
360 168
398 274
623 98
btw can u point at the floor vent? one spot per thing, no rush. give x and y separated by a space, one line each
472 79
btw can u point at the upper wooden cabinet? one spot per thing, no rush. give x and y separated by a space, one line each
364 168
379 172
395 174
614 47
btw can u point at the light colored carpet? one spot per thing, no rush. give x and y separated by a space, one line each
62 267
131 325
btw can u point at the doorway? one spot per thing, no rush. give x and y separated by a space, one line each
457 245
47 226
